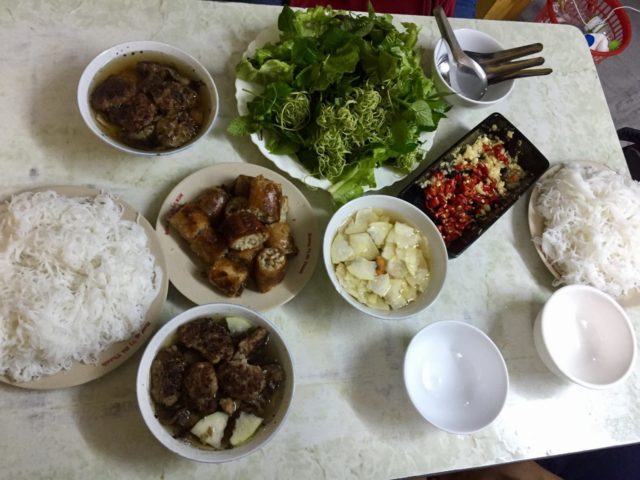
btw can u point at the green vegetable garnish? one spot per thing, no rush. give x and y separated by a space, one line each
345 93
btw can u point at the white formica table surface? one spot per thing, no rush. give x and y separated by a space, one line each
350 417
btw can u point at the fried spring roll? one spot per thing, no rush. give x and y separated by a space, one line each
265 199
209 245
243 231
235 205
241 186
228 276
245 257
189 221
212 201
270 267
284 209
280 237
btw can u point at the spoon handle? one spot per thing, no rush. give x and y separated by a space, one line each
511 67
532 72
447 33
504 55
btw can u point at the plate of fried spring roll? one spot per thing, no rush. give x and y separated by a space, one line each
238 233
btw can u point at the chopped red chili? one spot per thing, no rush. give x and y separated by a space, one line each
464 189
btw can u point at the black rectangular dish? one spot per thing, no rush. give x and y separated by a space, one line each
464 198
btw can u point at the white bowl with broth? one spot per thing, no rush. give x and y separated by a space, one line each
125 56
192 449
398 211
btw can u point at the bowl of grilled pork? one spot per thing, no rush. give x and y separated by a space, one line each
215 383
147 98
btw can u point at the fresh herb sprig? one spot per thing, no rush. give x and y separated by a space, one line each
345 93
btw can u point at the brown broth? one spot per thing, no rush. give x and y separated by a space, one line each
127 64
268 354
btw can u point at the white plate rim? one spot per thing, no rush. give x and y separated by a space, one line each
536 227
118 353
185 270
385 176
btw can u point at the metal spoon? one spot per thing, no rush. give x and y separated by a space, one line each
528 72
444 68
502 56
466 75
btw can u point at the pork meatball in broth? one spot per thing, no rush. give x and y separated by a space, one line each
217 382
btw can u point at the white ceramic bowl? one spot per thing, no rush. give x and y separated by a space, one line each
400 210
583 335
97 69
455 376
163 434
476 41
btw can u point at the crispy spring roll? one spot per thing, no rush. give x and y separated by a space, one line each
228 276
245 257
235 205
212 201
209 245
243 231
189 221
280 237
265 199
284 209
241 186
270 267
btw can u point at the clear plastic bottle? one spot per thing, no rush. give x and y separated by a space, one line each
576 13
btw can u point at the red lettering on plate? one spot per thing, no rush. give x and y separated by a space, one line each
174 206
307 255
135 339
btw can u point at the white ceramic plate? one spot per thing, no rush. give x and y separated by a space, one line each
385 176
118 353
186 272
455 376
536 227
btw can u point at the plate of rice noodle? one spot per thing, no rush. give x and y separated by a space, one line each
83 282
584 220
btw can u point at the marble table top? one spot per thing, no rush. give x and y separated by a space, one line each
350 417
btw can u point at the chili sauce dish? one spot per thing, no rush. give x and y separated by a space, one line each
470 186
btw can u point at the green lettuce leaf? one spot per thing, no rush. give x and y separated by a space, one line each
344 92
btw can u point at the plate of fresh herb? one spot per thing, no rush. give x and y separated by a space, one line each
337 99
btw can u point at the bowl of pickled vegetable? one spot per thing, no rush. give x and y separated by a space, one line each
385 257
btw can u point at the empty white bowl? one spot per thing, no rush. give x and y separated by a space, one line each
476 41
111 61
583 335
398 210
455 376
264 434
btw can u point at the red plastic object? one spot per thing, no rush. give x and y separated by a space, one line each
619 23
